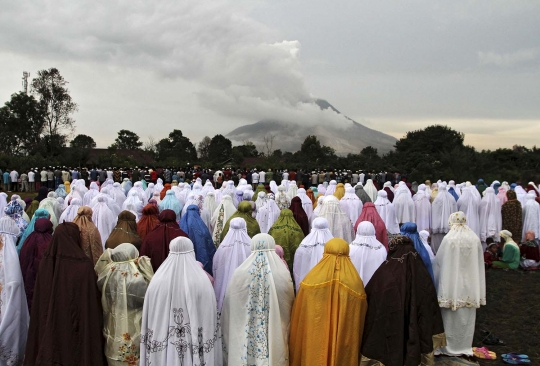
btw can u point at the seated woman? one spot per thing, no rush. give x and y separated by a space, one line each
530 252
511 256
491 254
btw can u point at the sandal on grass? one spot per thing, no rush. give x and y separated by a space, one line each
517 361
514 355
484 353
491 340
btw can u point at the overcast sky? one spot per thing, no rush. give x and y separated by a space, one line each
207 67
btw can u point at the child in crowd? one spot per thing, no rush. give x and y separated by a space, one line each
492 253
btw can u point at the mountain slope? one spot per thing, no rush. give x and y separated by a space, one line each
289 135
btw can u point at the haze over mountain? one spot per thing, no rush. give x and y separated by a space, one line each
343 134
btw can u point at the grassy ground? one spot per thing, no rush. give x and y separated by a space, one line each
512 314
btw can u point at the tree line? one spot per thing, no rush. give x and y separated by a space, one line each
36 130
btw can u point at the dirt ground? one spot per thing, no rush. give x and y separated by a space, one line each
512 314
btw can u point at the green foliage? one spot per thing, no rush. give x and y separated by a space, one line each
83 142
220 149
21 121
175 150
127 140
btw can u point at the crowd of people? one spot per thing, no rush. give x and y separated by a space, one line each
200 267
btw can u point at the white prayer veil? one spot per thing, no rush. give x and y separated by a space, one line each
338 222
71 211
443 206
366 252
104 218
404 204
351 204
490 216
311 250
531 216
371 190
387 212
468 204
331 188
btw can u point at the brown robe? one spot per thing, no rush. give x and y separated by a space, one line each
124 232
66 319
512 216
403 323
90 236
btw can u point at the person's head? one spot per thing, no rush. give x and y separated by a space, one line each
529 235
493 248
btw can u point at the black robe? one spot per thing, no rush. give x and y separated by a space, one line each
403 323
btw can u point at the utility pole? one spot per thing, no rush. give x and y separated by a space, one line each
25 77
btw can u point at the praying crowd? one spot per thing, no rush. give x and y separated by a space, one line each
245 267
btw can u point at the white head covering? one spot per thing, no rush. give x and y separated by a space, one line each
282 200
424 235
292 191
331 188
220 217
14 317
404 204
366 252
179 322
468 204
389 185
51 205
257 309
71 211
273 186
521 195
3 202
118 194
210 202
91 194
149 191
232 252
371 190
104 218
268 214
133 203
338 221
443 206
307 205
462 282
311 249
351 204
531 216
422 205
387 212
261 200
490 216
159 185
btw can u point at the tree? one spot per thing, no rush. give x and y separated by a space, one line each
150 146
21 121
202 148
220 149
127 140
176 146
83 142
50 90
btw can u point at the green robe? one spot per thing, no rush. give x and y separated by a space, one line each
287 233
244 211
511 257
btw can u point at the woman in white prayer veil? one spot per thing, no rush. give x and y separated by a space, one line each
311 250
75 192
366 252
133 203
316 210
371 190
208 187
490 216
531 216
282 200
104 218
307 205
232 252
159 185
256 312
261 201
180 322
461 287
273 187
149 192
292 191
14 317
210 203
338 222
443 206
268 214
91 194
389 185
331 188
50 204
110 201
452 184
118 194
351 204
474 190
221 215
521 195
469 206
71 211
387 212
142 195
422 205
404 204
424 235
3 202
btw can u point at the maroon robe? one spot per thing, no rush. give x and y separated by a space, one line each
369 213
32 252
156 244
300 215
